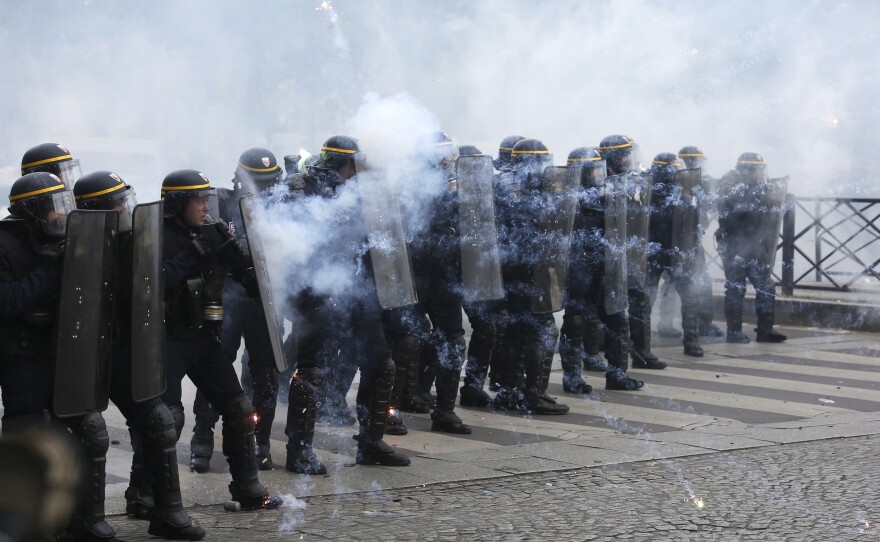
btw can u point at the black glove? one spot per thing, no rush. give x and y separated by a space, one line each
249 282
51 254
201 247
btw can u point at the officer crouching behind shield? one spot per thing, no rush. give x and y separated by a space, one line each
199 254
154 490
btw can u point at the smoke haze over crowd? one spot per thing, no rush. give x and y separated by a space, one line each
145 88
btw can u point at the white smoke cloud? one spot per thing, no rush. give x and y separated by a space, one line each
147 88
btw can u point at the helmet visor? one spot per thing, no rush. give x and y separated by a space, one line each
125 207
593 174
69 171
52 212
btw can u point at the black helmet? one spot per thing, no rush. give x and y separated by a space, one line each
42 197
591 163
620 153
51 158
257 170
530 156
505 148
106 191
180 186
751 165
664 167
336 152
468 150
693 157
290 161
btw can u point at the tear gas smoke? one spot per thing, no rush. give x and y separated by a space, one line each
143 89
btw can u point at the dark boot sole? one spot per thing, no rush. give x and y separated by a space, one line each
453 429
170 532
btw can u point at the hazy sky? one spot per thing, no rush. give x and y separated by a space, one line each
147 87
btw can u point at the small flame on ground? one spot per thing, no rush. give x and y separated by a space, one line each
256 417
697 501
831 121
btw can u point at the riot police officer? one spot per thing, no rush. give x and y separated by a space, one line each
31 253
674 237
505 152
486 319
622 158
579 336
199 253
349 328
530 337
694 158
597 276
154 491
433 326
749 216
257 172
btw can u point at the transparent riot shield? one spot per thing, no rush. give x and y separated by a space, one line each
85 312
685 217
638 219
147 304
559 190
615 204
274 322
388 254
480 261
771 218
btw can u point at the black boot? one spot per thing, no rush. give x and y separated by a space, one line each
300 428
372 413
711 330
168 518
766 334
479 354
572 354
592 344
394 423
640 333
615 350
265 380
448 377
202 443
538 360
474 397
692 346
737 337
239 447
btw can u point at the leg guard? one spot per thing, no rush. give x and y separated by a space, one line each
139 494
406 351
449 362
301 421
479 352
571 343
202 443
89 521
265 381
372 450
239 446
689 323
169 519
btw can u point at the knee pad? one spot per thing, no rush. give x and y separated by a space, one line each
312 375
161 427
239 413
179 418
573 325
93 432
405 346
385 374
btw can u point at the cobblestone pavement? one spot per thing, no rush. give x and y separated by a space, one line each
823 490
